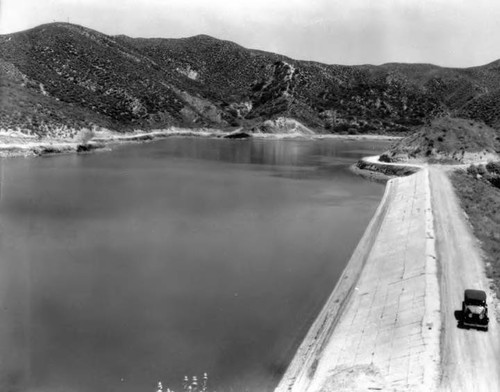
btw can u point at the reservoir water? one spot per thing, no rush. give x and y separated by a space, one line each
183 256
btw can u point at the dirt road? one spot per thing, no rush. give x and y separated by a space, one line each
470 359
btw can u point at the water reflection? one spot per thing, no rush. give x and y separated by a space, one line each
171 258
270 152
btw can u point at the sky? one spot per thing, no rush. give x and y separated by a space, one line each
457 33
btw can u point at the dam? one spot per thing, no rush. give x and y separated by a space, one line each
380 327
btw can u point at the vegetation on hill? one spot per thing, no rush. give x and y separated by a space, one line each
479 191
447 140
26 110
61 74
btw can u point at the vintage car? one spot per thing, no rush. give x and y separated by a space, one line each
475 309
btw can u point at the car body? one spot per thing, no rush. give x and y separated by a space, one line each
475 309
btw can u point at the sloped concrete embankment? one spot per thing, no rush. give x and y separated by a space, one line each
379 330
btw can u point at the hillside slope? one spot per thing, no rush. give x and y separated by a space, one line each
448 140
60 74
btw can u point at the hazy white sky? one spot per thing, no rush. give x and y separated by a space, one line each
444 32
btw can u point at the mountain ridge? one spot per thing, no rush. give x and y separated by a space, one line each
59 74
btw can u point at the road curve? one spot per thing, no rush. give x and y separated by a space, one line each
470 359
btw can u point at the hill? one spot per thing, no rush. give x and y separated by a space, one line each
448 140
61 75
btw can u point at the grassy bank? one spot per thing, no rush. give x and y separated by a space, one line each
481 201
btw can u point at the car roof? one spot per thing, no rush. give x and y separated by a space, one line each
478 295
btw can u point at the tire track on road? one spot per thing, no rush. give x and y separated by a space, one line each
470 359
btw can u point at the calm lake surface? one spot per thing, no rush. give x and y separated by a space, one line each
150 262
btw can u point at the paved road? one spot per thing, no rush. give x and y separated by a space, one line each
470 358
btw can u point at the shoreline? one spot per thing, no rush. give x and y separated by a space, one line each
338 352
14 144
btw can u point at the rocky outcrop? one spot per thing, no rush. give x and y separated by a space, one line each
283 125
238 134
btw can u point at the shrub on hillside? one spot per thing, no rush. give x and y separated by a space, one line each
340 128
385 158
472 170
494 180
85 135
489 172
493 167
475 170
